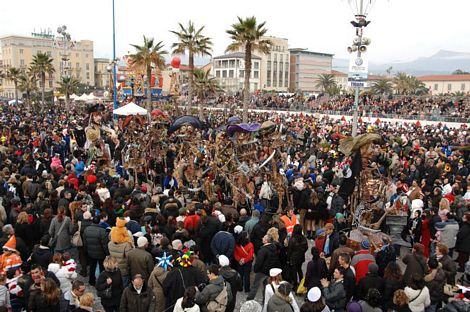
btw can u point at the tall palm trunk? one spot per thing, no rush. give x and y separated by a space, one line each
16 92
67 102
43 91
191 81
149 87
246 85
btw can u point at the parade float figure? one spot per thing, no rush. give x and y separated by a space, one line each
95 145
365 187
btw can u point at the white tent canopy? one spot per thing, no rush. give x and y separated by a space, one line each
130 109
14 102
74 96
82 97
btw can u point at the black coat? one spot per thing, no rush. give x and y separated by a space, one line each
132 301
179 278
256 236
371 280
207 231
42 257
116 287
463 238
267 259
316 270
95 241
296 250
390 286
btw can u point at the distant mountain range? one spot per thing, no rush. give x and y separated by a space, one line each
443 62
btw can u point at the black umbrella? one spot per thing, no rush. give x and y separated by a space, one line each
183 121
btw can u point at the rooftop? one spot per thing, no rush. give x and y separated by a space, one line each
305 51
465 77
236 55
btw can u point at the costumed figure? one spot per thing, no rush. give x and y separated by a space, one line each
95 145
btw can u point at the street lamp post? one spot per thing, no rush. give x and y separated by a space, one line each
63 70
358 66
115 103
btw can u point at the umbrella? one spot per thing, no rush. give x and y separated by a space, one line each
158 113
130 109
234 120
243 127
185 120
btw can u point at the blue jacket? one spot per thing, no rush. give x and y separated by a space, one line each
223 243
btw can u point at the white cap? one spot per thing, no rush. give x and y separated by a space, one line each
314 294
221 218
224 261
238 229
142 241
275 272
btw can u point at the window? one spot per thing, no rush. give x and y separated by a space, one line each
269 65
224 64
87 66
217 73
280 79
21 51
50 75
449 87
21 63
241 74
275 57
256 74
224 74
256 64
238 64
77 65
232 63
268 83
230 73
436 86
282 57
50 84
462 87
87 75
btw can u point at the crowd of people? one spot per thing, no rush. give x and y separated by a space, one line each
414 107
74 219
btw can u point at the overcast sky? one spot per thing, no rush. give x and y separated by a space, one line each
400 29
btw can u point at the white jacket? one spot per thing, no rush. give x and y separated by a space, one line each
64 276
418 301
178 308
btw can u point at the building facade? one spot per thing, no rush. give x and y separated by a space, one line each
18 51
305 66
103 77
229 70
446 84
275 74
341 79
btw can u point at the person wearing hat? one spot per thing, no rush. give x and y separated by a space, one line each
137 296
274 281
10 259
282 300
361 260
139 260
314 302
233 278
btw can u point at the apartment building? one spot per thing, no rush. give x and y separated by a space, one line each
305 66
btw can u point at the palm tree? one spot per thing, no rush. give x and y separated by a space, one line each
327 83
68 86
246 34
13 74
147 55
42 66
195 43
28 84
382 87
401 82
204 85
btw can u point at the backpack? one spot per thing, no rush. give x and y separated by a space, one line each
220 302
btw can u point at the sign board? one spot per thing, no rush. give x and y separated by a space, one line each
358 68
358 84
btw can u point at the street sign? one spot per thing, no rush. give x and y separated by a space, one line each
357 84
358 68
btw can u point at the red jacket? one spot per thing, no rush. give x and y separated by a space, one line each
246 255
191 222
360 262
